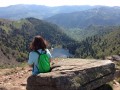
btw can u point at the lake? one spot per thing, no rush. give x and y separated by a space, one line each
60 53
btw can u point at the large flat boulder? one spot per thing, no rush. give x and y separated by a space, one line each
74 74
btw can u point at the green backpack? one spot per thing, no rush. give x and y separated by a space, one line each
43 62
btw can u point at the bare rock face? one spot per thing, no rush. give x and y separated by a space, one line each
74 74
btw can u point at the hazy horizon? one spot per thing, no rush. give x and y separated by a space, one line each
57 6
5 3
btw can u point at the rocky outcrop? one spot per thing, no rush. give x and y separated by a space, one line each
114 58
74 74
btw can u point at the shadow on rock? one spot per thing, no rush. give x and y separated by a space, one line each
104 87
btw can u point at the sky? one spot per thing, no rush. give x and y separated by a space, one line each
4 3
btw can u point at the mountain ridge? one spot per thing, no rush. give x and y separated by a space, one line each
97 16
37 11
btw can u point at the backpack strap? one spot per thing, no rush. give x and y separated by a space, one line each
39 55
41 52
38 52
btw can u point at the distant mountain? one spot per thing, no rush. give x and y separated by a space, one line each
15 37
38 11
97 16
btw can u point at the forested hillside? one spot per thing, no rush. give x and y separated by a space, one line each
100 45
82 19
15 37
80 34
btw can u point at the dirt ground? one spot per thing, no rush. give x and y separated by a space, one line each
16 79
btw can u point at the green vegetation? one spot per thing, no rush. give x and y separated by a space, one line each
81 34
91 42
104 43
15 39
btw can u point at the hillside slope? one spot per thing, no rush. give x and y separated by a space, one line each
15 36
100 45
81 34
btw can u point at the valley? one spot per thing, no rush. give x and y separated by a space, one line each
94 41
87 32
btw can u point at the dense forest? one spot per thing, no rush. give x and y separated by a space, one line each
15 37
80 34
96 31
104 43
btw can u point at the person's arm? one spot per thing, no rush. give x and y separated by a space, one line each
30 61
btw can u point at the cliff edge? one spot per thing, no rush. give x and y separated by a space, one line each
74 74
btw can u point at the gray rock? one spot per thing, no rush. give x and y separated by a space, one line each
74 74
116 57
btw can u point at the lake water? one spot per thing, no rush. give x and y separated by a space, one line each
60 53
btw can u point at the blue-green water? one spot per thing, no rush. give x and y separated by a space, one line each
60 53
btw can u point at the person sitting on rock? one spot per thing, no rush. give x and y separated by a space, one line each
40 56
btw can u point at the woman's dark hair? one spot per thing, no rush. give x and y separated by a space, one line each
38 43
